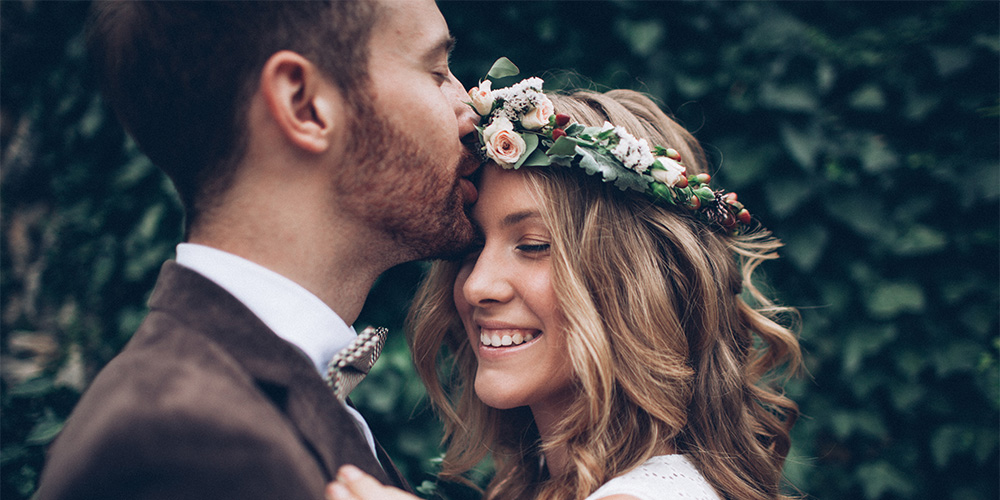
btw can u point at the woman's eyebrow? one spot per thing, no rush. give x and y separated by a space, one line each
514 218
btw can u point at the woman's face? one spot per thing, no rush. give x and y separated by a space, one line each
504 296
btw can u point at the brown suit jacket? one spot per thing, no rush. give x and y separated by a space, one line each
205 402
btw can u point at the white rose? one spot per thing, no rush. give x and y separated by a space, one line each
538 117
482 98
499 123
674 174
505 147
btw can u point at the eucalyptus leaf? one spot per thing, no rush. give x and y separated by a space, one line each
537 158
502 68
530 145
574 129
564 146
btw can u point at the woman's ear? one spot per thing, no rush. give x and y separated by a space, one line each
303 104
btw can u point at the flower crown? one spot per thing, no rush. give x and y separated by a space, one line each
519 127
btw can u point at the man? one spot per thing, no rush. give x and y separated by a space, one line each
313 145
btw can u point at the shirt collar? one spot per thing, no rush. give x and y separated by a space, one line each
289 310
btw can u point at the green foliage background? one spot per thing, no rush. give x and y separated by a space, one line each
864 134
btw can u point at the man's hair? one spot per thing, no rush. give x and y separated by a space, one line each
180 75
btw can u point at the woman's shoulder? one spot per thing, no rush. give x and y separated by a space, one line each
660 477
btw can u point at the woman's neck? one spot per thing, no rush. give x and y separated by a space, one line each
547 421
548 416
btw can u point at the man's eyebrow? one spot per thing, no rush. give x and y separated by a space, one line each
514 218
442 47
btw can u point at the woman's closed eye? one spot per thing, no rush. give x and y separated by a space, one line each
533 248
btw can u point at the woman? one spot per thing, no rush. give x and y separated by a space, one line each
600 333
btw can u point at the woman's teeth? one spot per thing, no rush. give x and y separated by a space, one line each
503 340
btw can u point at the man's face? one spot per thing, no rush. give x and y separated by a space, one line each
408 163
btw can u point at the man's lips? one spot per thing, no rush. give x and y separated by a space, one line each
467 168
469 192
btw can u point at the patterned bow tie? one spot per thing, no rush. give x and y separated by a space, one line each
349 366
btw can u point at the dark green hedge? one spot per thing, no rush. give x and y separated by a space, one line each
864 134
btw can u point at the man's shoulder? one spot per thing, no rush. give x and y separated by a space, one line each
175 405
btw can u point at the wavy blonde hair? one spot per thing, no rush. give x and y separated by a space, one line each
664 348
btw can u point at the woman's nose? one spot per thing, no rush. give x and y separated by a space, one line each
488 283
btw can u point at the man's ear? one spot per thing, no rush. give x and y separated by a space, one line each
303 104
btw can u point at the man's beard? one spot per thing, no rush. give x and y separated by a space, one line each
402 190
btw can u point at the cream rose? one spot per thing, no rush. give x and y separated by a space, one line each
499 123
538 117
505 147
482 98
674 175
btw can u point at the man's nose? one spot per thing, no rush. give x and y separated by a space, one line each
467 117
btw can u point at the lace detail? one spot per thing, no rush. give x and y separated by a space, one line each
671 477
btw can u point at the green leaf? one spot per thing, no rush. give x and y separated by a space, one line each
864 342
502 68
860 211
802 145
795 98
33 388
564 146
948 441
868 98
611 171
920 240
537 158
889 300
881 477
45 430
786 193
846 423
574 130
642 36
804 245
530 144
950 60
876 156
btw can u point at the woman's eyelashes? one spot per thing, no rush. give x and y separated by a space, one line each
533 248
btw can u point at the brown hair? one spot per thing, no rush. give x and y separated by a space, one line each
664 348
179 75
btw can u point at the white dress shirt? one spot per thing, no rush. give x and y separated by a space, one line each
288 309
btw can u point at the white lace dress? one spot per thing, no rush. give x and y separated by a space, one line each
664 477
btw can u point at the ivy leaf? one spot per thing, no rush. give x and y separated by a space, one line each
502 68
804 245
892 299
881 477
45 430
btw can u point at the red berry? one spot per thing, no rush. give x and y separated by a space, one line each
561 120
694 202
730 198
682 182
673 154
557 133
703 178
744 216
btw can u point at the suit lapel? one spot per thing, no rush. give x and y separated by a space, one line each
280 370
